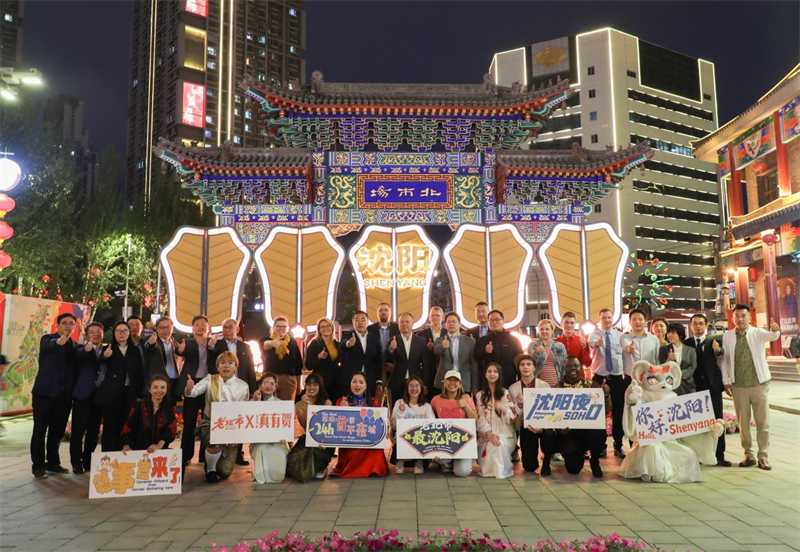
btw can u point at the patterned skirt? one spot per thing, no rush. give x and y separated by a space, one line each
303 463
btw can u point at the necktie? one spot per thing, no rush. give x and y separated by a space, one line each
609 361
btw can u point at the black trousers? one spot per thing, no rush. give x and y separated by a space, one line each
50 416
716 404
191 406
530 442
617 385
81 445
577 442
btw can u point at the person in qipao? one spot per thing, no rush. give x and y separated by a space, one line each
496 416
306 463
413 405
151 423
355 462
269 459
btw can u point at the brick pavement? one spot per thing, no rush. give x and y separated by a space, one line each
733 509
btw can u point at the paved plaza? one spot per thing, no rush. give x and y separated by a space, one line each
734 509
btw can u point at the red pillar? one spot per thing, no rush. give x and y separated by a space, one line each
771 288
735 187
742 285
783 158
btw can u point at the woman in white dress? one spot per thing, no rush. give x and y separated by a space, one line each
413 405
496 416
269 459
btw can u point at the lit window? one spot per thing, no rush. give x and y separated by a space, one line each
248 114
210 93
262 39
209 134
9 17
290 86
236 111
593 116
212 51
292 49
237 140
249 36
595 139
592 93
590 70
210 119
135 83
212 64
140 165
172 49
194 48
293 12
262 52
247 128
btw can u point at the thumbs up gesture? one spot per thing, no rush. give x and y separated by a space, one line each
773 326
393 344
430 344
671 356
212 342
323 353
153 338
402 406
189 385
540 349
634 392
352 341
445 342
63 339
182 346
256 395
88 347
631 348
584 342
107 353
599 342
489 348
715 345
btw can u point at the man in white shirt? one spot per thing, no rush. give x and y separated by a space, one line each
638 345
745 377
607 367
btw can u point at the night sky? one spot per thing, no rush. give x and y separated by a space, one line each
83 48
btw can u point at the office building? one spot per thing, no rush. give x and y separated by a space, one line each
12 13
65 116
628 90
188 58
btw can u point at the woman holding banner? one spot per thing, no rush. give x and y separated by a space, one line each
454 402
304 464
151 424
413 405
496 416
360 462
269 459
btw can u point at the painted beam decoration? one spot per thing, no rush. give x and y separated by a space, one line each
585 267
205 271
395 265
488 263
299 271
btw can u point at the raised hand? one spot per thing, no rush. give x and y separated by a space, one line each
402 407
153 338
189 385
634 392
715 346
393 343
631 348
430 344
445 342
540 349
584 342
306 399
352 341
63 339
107 353
323 354
671 356
519 400
773 326
489 348
88 347
257 395
212 342
599 342
182 346
268 345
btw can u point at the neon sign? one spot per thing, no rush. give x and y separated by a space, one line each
193 105
197 7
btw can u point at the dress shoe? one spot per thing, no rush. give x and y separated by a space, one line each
619 453
764 465
722 463
515 456
604 453
595 465
212 477
240 461
57 469
545 471
747 462
77 470
39 473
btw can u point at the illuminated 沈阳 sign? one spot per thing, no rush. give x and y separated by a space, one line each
395 265
193 104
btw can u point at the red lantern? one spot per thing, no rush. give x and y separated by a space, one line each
5 231
105 297
6 204
5 260
760 167
95 271
46 278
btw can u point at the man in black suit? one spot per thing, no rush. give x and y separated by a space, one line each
198 362
87 367
136 324
405 354
362 353
498 346
430 361
708 375
384 329
52 396
482 316
162 356
230 342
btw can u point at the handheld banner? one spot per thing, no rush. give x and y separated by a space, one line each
135 473
673 418
346 427
583 408
432 438
252 422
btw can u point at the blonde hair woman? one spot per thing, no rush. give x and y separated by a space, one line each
324 357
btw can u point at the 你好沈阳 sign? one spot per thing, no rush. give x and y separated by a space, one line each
673 418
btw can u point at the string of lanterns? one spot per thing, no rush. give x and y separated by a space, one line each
10 176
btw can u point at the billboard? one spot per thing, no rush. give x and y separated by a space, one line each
193 104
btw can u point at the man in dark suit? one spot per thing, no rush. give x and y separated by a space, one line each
52 396
384 329
162 357
498 346
708 375
429 360
455 351
197 354
87 367
405 354
362 353
139 338
230 342
482 316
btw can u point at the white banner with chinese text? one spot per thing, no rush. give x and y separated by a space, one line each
252 422
135 473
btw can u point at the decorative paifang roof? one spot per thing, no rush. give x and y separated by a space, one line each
576 161
233 160
413 99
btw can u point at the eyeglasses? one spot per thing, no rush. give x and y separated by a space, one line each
122 331
495 319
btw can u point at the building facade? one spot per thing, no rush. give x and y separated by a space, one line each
629 91
12 12
758 171
187 58
65 114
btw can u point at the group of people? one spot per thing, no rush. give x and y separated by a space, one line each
131 387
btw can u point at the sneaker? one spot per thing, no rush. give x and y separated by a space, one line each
596 470
212 477
399 471
78 470
419 470
515 456
39 473
320 475
57 469
557 457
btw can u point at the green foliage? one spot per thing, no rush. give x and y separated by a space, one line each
70 246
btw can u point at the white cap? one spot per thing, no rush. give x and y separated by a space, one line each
452 374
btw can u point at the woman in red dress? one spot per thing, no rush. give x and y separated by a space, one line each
360 462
